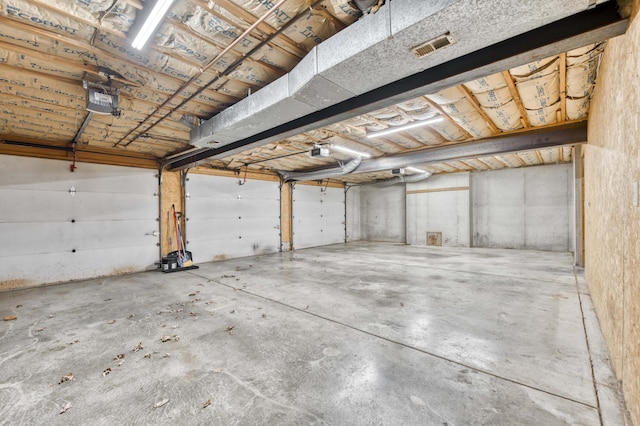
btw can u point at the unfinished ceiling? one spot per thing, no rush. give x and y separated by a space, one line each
209 55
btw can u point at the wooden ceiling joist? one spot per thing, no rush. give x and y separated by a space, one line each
247 17
516 97
468 136
474 103
563 87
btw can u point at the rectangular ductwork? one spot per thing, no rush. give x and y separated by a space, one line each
364 57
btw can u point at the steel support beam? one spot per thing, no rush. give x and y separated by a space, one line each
569 134
597 24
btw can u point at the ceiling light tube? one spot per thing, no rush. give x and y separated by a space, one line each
415 170
160 8
407 127
350 151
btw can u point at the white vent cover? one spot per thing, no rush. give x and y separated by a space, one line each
432 45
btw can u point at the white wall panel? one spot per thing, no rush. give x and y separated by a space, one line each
228 220
439 204
114 212
318 216
382 213
354 226
527 208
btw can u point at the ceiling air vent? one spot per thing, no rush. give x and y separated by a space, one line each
432 45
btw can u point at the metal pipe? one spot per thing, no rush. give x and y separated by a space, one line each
227 71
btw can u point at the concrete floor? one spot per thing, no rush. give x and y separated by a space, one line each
353 334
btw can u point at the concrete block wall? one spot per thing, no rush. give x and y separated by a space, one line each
611 213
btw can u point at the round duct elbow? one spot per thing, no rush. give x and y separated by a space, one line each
321 174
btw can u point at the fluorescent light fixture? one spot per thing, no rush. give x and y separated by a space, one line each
150 24
415 170
407 127
349 151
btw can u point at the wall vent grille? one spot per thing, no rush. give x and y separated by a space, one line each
434 239
431 46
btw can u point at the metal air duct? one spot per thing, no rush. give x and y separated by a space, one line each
341 170
419 177
327 85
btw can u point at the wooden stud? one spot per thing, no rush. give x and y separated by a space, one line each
247 17
516 97
364 145
474 103
94 24
134 3
286 217
171 195
457 170
563 88
468 136
504 163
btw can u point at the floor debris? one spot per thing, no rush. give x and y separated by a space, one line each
111 322
167 355
194 314
38 330
64 408
131 316
119 356
264 315
120 363
106 372
10 318
18 306
147 355
230 330
138 347
161 403
164 339
194 293
69 377
233 312
207 403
